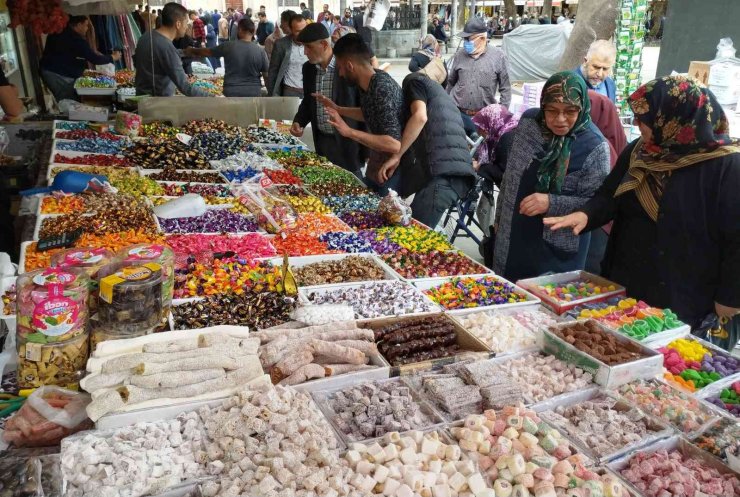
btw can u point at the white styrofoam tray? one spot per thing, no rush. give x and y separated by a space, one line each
484 271
313 259
304 292
429 283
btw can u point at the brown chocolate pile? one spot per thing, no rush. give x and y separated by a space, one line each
588 337
416 340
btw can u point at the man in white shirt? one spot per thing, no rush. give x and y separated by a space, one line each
285 76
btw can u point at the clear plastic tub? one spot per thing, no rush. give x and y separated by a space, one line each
89 259
52 305
158 254
58 363
130 299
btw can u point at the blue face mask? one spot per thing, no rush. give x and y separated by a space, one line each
469 47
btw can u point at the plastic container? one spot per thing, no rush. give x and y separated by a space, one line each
158 254
130 300
52 305
189 205
59 363
99 334
89 259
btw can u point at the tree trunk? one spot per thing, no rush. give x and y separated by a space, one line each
596 20
547 8
658 9
509 8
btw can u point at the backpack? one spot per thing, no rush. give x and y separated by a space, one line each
435 70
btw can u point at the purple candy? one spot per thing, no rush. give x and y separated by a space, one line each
213 221
347 242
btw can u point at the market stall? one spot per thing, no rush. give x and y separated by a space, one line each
212 309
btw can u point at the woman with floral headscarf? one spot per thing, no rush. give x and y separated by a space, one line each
492 123
557 160
674 197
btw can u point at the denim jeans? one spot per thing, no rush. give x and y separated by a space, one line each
382 190
62 87
431 202
468 124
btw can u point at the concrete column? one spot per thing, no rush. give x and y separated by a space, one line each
472 9
453 19
342 6
424 13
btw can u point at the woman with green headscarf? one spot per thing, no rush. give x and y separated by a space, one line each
674 197
557 160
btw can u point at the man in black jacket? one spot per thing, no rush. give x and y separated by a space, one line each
439 170
320 76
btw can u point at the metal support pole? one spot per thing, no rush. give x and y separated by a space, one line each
453 19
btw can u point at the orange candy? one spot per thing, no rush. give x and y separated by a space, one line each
686 384
62 205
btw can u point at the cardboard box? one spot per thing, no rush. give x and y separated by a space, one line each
465 340
648 366
699 70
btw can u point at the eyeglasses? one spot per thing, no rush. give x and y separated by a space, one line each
569 113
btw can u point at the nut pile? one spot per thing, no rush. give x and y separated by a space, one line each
348 269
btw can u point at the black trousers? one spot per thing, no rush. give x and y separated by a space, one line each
328 146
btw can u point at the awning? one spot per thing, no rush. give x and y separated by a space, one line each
98 7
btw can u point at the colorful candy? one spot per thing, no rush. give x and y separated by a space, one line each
296 244
352 203
93 160
363 220
728 399
346 242
213 221
460 293
94 144
574 290
205 247
231 275
178 190
436 263
314 224
697 365
283 177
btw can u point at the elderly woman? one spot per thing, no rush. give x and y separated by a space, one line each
557 161
427 59
673 197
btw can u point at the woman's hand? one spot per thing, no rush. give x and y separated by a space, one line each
535 204
577 221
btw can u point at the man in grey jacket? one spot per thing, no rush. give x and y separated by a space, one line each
158 64
285 76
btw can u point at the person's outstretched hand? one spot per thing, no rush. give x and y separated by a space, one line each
577 221
296 130
326 102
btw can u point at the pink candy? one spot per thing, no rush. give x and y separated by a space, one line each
664 474
248 246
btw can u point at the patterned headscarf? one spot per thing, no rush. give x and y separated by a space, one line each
688 125
495 120
429 46
569 88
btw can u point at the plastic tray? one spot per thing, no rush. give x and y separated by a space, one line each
649 366
95 91
713 348
469 345
304 292
312 259
659 429
686 448
558 306
708 412
22 257
508 311
323 397
56 122
484 271
428 283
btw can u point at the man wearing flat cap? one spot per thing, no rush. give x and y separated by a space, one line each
320 77
477 73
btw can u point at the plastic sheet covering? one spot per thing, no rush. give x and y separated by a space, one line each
239 111
534 51
98 7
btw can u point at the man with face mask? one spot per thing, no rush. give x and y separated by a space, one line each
381 109
597 66
158 65
477 73
321 77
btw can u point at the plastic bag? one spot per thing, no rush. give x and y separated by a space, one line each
722 332
4 140
376 14
20 476
106 69
128 123
48 415
394 209
273 214
314 315
725 49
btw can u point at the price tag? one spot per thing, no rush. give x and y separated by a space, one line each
33 352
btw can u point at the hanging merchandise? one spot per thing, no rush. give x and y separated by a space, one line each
630 36
42 16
